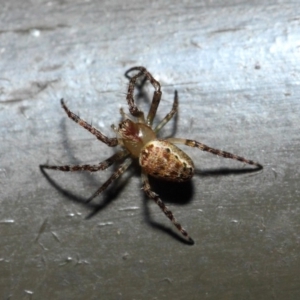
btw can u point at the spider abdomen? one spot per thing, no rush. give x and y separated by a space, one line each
164 160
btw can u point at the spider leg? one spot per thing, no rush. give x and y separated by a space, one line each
111 142
152 195
155 100
195 144
122 168
170 115
91 168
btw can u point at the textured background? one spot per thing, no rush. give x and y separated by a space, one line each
236 68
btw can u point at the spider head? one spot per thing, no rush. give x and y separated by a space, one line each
134 136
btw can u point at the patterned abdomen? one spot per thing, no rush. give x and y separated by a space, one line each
164 160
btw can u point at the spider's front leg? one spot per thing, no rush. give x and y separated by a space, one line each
195 144
170 115
111 142
130 97
163 207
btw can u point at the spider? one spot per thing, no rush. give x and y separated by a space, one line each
159 158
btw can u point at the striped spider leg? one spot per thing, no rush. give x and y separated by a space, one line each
203 147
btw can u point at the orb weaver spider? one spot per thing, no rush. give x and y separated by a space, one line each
136 135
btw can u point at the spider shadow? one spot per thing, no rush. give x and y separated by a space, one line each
225 171
182 193
107 196
112 192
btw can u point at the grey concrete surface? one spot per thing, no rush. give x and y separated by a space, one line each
236 67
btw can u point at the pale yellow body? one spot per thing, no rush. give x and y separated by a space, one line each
164 160
158 158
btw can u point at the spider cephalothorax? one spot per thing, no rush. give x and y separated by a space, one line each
159 158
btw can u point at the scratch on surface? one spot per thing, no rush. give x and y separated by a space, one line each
226 30
129 208
105 223
55 236
7 221
66 261
43 247
196 44
50 68
28 292
42 229
166 279
33 28
274 172
29 92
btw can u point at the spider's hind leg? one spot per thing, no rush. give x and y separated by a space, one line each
163 207
203 147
